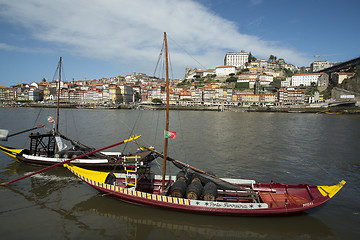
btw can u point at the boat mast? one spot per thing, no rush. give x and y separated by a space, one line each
58 101
167 112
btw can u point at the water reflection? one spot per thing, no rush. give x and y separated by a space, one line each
194 226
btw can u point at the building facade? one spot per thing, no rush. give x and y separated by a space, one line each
237 59
307 79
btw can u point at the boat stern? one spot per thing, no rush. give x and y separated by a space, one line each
330 191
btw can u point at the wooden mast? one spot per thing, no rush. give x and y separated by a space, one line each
167 112
58 101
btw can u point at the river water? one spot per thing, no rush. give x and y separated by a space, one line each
285 147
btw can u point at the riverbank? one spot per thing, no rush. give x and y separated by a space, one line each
280 109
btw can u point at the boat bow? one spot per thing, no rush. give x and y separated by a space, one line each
330 191
12 152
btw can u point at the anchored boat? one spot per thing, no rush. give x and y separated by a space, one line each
250 199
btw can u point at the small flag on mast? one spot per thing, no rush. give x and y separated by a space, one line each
50 119
168 134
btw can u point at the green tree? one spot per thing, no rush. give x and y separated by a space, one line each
156 100
251 58
231 79
242 85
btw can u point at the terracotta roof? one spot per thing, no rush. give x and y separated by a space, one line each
304 74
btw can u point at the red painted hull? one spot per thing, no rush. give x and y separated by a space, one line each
273 199
286 209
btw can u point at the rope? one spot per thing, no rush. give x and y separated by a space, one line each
159 58
35 123
187 52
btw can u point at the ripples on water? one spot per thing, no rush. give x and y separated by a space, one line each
292 148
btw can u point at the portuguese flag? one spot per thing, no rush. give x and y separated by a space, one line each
168 134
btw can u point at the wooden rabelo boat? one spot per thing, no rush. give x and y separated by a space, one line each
195 191
52 147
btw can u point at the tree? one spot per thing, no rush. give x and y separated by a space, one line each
242 85
272 58
156 100
251 58
231 79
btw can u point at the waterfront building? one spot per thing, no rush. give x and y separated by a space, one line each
291 95
237 59
4 93
115 95
34 95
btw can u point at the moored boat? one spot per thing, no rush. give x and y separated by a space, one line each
252 198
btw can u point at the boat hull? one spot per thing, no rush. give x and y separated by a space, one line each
283 199
20 155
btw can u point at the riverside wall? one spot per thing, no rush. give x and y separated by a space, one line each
280 109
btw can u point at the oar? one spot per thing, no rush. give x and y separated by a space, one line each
66 161
4 138
191 167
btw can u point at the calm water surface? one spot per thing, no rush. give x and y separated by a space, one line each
291 148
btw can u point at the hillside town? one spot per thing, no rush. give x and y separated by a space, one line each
243 80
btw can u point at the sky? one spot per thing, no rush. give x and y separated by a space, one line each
108 38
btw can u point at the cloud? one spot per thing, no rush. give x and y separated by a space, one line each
255 2
130 32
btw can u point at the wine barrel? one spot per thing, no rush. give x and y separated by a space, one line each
110 179
194 190
193 177
210 191
178 189
181 175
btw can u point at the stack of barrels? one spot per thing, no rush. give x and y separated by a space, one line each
190 186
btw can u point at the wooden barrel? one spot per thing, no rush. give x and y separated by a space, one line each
110 179
210 191
178 189
193 177
194 190
181 175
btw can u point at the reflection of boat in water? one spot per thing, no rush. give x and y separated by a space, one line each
194 226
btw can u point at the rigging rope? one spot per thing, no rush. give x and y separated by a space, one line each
187 52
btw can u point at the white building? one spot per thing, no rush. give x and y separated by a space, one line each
225 70
236 59
306 79
320 65
248 77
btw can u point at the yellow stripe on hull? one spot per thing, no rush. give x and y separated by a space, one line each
11 152
331 190
90 174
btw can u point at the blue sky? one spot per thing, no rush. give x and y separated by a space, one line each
116 37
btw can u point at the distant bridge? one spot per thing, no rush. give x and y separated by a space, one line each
342 66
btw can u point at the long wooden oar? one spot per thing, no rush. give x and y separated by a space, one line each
69 160
4 133
37 127
192 168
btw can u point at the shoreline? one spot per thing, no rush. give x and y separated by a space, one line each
280 109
